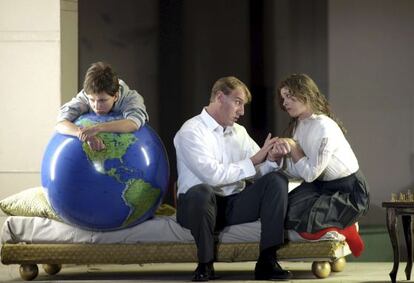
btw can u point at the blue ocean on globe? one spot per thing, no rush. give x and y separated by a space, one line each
118 187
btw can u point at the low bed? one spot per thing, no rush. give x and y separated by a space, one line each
32 240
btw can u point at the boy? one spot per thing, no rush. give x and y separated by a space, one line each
102 93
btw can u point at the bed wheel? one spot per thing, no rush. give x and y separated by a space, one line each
321 269
52 269
28 271
338 265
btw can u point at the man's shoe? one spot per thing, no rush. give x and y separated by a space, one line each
270 270
204 272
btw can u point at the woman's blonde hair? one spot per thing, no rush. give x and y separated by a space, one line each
302 87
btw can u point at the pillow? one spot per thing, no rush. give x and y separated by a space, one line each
165 210
33 202
30 202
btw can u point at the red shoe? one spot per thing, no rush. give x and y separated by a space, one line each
351 234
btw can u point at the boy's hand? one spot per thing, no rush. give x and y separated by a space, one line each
95 143
85 133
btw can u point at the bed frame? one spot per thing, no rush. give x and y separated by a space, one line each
326 256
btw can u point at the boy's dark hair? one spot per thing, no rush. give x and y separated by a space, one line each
101 78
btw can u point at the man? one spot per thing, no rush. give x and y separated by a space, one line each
215 156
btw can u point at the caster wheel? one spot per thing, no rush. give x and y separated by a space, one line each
28 271
52 269
321 269
338 265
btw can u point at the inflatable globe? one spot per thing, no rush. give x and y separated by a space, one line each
115 188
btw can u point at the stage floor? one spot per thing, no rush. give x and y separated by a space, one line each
229 272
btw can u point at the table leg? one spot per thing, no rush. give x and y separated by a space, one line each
392 231
406 220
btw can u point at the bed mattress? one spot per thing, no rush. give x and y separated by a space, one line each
160 229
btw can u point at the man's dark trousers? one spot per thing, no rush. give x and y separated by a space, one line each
204 213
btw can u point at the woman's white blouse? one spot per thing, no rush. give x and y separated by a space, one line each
328 155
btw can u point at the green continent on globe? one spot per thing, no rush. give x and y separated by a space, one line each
140 196
116 146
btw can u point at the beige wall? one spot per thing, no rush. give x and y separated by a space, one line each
35 72
371 88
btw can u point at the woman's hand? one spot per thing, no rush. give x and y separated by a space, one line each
295 151
280 148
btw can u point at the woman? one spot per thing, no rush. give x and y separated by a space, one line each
334 194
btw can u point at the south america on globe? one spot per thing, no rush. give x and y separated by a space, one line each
118 187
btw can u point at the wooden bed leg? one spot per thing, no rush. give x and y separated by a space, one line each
52 269
28 271
321 269
338 265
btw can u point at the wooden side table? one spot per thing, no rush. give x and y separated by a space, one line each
406 210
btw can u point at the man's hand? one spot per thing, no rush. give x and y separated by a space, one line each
261 155
95 143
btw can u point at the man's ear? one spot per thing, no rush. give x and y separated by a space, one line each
219 95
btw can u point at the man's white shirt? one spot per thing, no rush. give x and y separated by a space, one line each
210 154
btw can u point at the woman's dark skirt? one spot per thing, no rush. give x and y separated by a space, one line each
323 204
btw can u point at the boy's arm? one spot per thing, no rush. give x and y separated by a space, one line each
74 108
68 128
131 104
117 126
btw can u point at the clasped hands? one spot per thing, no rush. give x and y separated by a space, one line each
274 149
89 135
